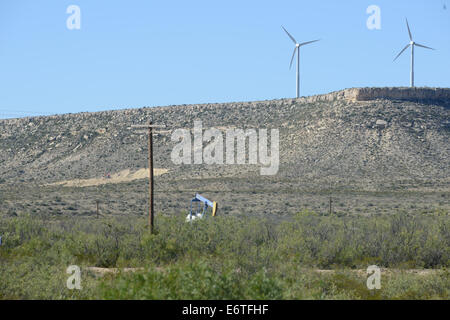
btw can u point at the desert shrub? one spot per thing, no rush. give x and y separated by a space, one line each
191 280
389 240
225 257
407 286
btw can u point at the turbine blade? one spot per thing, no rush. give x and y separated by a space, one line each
292 38
402 51
292 59
409 31
421 45
305 43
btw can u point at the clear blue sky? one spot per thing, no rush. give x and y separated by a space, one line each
149 53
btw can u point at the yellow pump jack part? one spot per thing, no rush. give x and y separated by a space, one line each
214 209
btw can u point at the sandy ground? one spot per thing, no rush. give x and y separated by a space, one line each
360 272
119 177
363 272
103 271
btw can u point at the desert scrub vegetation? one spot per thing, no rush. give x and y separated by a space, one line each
227 257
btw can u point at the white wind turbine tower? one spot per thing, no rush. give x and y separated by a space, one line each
297 49
412 44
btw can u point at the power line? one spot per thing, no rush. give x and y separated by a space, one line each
24 111
6 113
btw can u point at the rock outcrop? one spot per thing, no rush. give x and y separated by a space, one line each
422 95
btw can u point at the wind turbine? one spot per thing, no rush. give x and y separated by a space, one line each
297 49
412 44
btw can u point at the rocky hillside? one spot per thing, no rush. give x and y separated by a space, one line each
350 135
357 139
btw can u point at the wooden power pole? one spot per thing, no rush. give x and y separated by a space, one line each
331 199
150 127
97 203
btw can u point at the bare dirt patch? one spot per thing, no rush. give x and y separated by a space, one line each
362 272
119 177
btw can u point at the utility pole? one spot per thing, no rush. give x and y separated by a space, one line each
150 127
330 204
97 203
331 200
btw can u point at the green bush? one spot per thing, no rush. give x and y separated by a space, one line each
225 257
